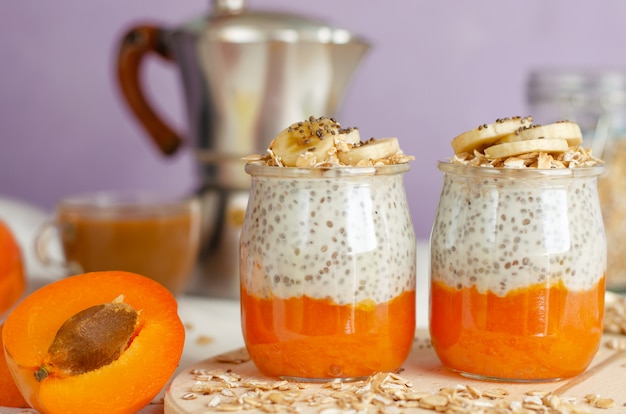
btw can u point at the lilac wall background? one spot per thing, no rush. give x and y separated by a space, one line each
436 69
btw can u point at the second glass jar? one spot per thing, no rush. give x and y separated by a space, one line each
518 263
327 271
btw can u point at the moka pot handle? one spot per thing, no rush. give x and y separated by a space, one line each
138 43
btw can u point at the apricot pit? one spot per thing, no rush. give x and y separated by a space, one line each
90 339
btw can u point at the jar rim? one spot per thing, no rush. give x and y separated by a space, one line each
261 169
519 173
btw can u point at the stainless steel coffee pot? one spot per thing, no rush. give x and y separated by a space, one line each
246 75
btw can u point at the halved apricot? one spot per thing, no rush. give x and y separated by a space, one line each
12 278
122 383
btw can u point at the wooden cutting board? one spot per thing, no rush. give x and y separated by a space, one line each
605 378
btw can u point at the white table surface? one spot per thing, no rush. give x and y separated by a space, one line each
213 325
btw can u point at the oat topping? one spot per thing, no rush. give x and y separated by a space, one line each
307 160
572 158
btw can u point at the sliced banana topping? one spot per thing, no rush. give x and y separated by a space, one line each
349 135
369 152
566 130
487 134
500 145
311 140
323 142
510 149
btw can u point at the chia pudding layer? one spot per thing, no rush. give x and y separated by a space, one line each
343 234
503 229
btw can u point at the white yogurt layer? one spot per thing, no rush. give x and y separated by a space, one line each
504 230
337 234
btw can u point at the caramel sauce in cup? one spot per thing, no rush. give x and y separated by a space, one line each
150 234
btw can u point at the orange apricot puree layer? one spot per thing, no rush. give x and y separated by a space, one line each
532 333
308 338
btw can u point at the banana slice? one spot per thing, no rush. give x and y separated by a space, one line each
312 139
510 149
369 151
349 135
347 138
487 134
566 130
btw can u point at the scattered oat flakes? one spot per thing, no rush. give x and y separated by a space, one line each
189 396
380 393
238 356
595 400
474 392
204 340
496 393
616 344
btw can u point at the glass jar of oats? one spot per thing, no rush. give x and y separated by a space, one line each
328 262
596 100
518 260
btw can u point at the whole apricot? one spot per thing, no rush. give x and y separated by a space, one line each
10 395
101 342
12 286
12 278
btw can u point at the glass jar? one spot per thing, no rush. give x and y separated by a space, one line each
518 261
596 100
328 262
